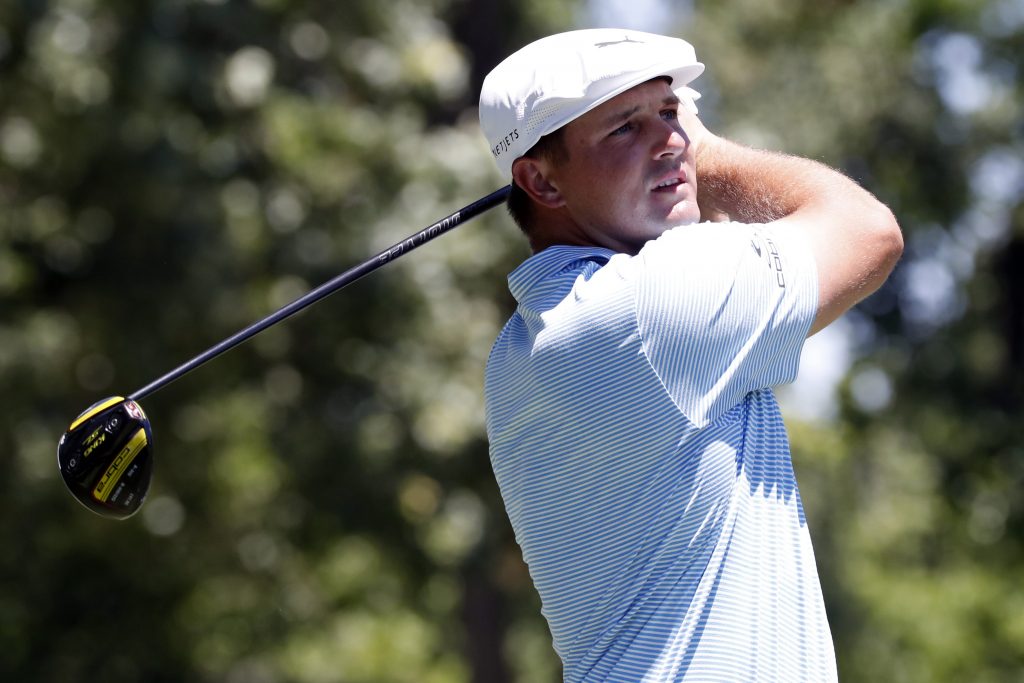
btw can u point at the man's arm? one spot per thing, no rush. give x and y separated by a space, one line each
855 239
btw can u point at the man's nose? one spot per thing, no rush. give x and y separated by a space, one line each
672 142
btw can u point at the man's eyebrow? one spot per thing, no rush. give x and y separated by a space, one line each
626 113
620 116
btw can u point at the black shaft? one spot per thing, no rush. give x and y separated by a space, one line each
348 277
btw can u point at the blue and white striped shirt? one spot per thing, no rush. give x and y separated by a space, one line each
643 461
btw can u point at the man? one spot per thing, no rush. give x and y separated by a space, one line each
634 434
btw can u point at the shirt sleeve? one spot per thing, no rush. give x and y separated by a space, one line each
723 309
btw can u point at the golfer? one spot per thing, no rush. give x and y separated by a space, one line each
633 431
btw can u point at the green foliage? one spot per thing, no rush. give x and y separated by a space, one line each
323 508
910 494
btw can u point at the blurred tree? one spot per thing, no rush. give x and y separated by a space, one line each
323 508
917 532
170 171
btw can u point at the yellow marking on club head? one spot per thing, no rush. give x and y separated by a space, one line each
89 439
92 447
119 465
95 409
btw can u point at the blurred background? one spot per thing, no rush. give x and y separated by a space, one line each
323 508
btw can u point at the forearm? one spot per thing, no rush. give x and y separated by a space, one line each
854 238
756 186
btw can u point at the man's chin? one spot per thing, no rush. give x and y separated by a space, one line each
684 213
686 220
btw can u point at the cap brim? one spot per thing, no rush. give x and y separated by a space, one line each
680 75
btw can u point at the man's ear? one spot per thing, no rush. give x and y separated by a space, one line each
532 176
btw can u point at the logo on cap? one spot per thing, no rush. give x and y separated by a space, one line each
627 39
505 143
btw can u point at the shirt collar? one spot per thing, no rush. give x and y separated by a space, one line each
548 263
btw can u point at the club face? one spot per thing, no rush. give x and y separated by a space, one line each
106 457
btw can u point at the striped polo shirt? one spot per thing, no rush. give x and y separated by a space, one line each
643 461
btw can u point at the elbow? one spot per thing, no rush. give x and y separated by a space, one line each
889 239
881 247
880 240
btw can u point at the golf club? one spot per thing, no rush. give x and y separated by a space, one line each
106 455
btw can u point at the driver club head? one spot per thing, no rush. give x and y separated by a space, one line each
106 457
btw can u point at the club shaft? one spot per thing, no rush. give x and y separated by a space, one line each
348 277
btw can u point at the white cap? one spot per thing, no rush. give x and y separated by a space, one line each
554 80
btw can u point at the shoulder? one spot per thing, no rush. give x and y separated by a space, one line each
706 244
716 255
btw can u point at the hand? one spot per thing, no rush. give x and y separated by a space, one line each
704 144
696 134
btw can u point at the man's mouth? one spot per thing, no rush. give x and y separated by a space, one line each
667 184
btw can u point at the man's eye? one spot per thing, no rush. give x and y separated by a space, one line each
623 129
670 114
